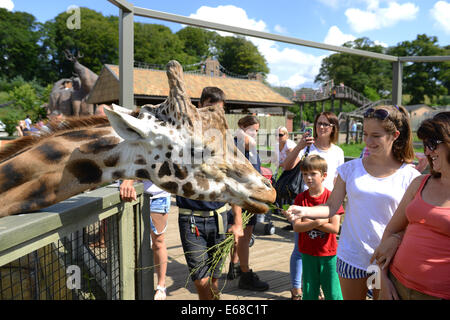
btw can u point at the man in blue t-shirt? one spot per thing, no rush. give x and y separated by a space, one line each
203 225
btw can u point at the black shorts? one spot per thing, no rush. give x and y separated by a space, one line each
194 246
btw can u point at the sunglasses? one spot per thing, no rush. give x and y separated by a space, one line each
379 114
431 144
281 135
324 124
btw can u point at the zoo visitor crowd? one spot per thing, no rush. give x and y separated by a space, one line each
394 217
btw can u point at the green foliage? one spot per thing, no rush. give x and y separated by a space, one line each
198 43
240 56
11 120
358 72
156 44
19 48
423 79
371 93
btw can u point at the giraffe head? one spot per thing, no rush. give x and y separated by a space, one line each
190 152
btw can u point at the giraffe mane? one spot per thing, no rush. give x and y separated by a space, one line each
27 142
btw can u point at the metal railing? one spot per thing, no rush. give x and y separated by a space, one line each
91 246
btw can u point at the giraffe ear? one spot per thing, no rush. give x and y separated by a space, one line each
126 126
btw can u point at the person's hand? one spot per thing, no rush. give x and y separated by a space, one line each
423 162
386 251
388 291
306 141
127 191
237 231
294 212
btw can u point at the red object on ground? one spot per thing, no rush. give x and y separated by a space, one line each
266 172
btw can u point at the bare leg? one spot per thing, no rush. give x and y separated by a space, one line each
159 247
354 289
206 289
243 249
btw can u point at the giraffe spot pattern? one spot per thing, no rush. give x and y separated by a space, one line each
81 135
86 171
180 173
99 145
188 190
112 161
171 187
50 153
140 161
143 174
12 177
119 174
164 170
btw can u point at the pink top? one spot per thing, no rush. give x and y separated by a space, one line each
422 261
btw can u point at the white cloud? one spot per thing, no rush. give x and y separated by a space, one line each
441 13
374 17
288 67
229 15
7 4
336 37
280 29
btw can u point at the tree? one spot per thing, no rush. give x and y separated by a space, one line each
97 40
197 42
240 56
423 79
19 48
356 72
156 44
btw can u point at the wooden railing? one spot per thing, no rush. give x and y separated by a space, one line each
46 246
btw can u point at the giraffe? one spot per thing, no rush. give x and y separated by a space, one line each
184 150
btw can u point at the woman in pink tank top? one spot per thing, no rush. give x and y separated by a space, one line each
414 253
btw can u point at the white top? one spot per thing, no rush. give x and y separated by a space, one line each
371 204
154 190
334 157
28 123
283 153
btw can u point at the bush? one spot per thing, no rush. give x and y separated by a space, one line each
11 120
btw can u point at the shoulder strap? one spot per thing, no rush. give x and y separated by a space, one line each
422 184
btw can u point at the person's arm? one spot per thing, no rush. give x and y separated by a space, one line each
305 225
127 191
332 225
249 141
325 211
236 228
393 233
292 158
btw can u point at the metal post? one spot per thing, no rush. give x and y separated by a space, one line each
126 57
397 75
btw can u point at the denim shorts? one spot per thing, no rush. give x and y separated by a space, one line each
195 247
159 205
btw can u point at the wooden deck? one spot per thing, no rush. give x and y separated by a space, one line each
269 258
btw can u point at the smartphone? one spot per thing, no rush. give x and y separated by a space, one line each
309 131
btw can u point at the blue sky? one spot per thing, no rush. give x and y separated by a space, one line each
386 22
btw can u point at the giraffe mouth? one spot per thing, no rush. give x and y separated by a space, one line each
256 206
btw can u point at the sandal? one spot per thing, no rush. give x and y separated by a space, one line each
296 296
160 293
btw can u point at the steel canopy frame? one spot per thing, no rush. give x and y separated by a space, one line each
126 44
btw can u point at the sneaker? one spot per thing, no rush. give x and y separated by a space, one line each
234 271
250 281
160 293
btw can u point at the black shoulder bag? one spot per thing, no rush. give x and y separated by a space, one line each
290 184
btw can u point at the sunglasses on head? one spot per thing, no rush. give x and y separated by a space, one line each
381 114
431 144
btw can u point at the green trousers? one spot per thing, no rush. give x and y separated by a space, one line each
317 272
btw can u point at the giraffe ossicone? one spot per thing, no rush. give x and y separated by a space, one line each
184 150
